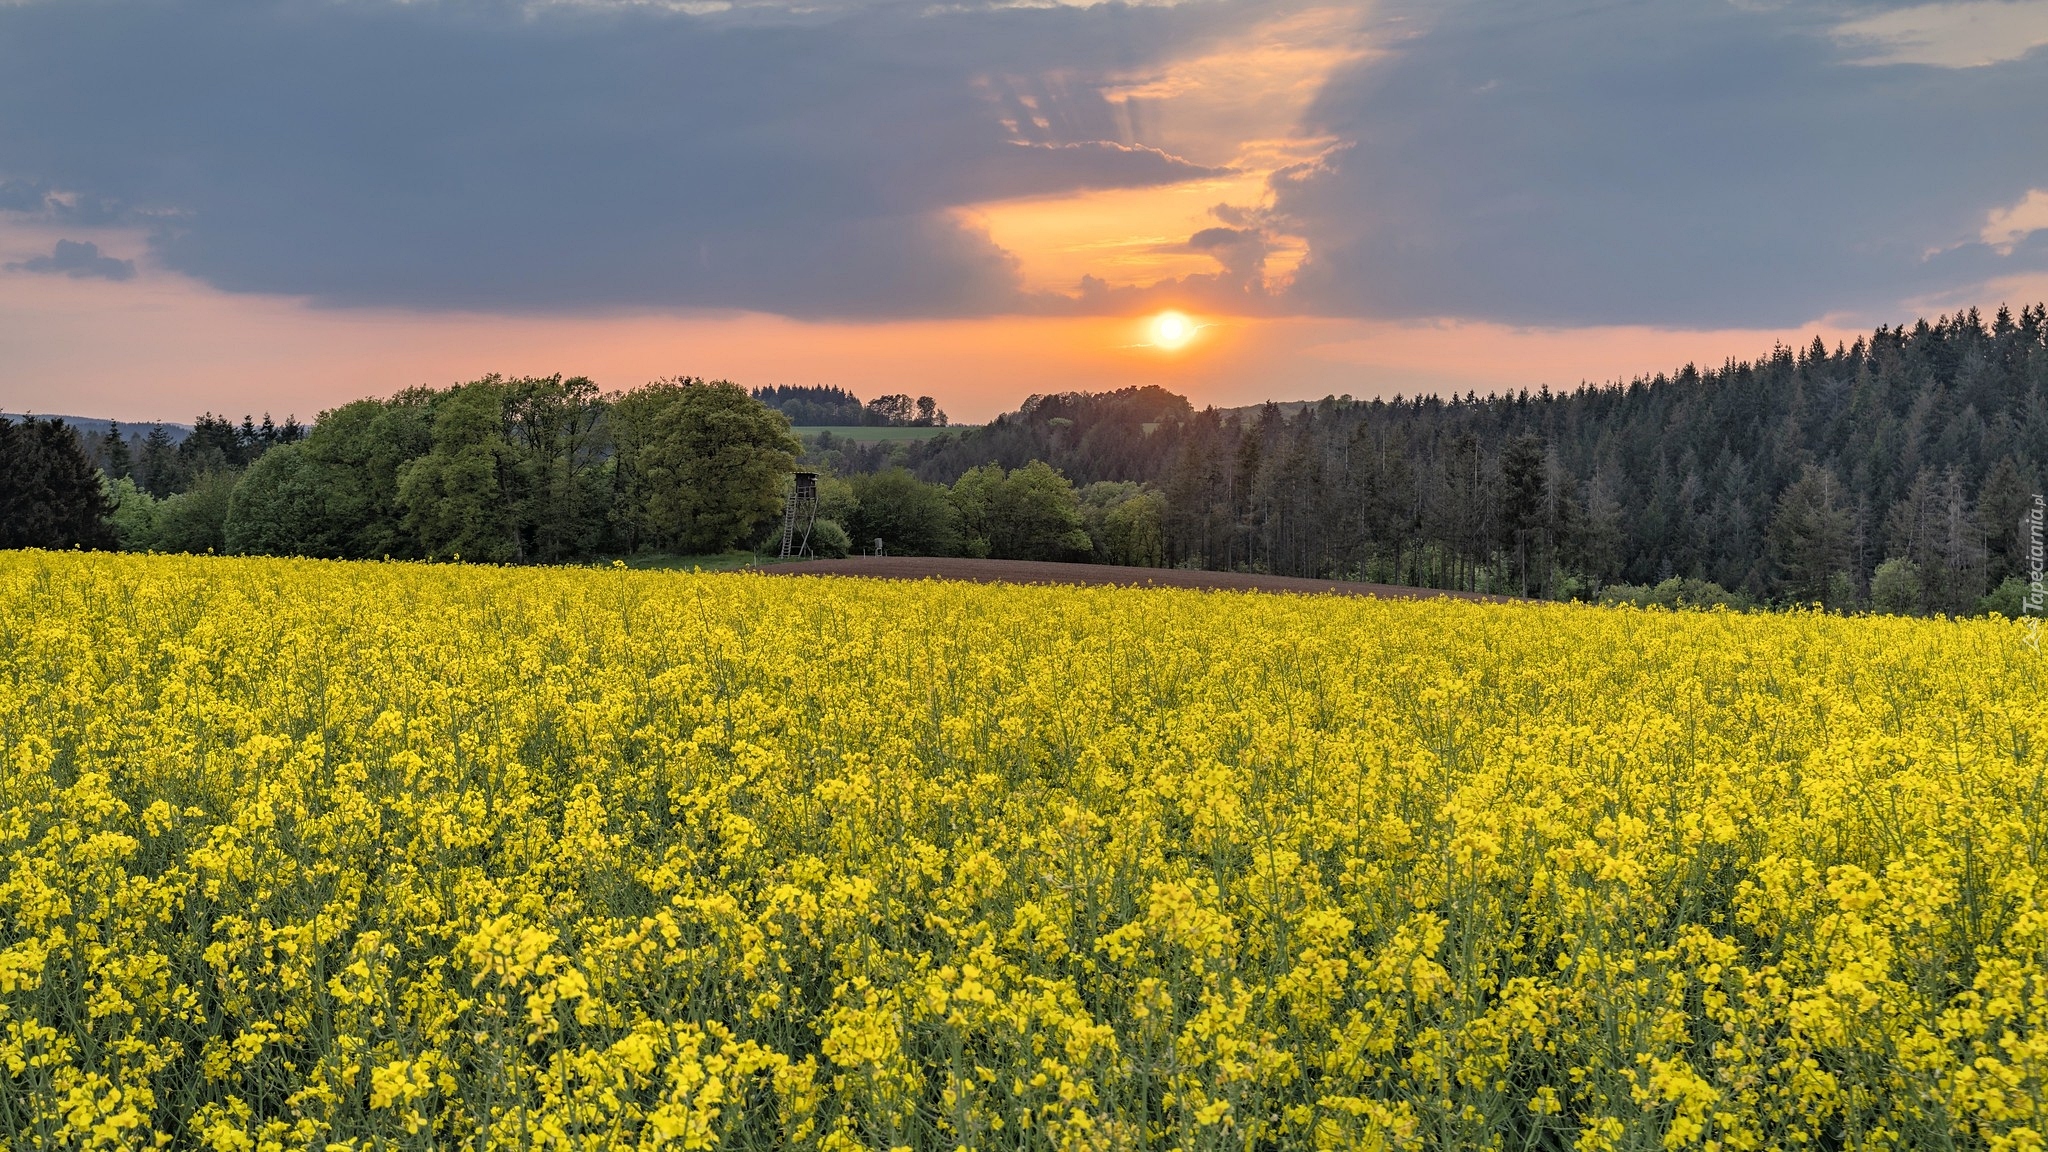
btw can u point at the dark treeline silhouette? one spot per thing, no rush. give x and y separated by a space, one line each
836 407
50 494
1891 473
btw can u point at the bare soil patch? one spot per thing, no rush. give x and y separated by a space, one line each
1045 572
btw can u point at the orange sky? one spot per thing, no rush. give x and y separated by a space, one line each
163 348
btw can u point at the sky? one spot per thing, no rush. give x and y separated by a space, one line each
282 205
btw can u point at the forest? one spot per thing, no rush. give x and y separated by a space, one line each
1894 472
819 406
1900 473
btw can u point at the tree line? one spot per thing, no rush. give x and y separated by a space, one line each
810 407
1891 473
532 469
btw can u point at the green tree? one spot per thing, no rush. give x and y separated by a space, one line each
456 498
974 498
1126 523
195 520
1895 587
909 516
888 410
562 475
358 451
829 540
2009 599
1035 515
700 465
1932 526
214 445
278 507
50 494
157 467
1525 508
134 515
120 459
2002 500
1810 535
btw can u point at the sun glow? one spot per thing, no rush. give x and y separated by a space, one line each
1172 330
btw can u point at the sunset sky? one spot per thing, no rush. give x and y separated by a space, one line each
281 205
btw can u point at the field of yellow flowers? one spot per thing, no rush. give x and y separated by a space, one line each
300 854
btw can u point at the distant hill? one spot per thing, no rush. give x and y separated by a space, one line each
1288 408
826 407
95 426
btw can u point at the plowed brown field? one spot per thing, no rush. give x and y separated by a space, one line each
1044 572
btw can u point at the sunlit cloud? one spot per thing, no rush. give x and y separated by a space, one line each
1239 106
2006 227
1971 34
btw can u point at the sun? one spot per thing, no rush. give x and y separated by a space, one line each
1171 330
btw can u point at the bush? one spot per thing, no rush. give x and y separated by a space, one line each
390 856
911 517
2009 599
134 515
1676 592
195 520
1895 587
829 540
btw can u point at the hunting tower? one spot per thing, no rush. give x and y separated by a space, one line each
799 514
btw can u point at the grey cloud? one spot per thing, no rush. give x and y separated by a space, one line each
1212 238
494 155
1538 161
80 260
37 198
1091 164
22 196
1663 163
1237 287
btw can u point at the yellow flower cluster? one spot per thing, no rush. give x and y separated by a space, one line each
300 854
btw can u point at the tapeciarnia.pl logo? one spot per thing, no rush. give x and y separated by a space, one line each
2037 575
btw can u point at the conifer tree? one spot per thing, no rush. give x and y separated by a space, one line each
50 494
120 461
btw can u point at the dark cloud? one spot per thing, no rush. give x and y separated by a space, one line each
1666 163
1209 239
80 260
1238 286
1541 161
22 196
503 156
1091 164
1233 215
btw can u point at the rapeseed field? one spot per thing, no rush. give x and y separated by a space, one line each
301 854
